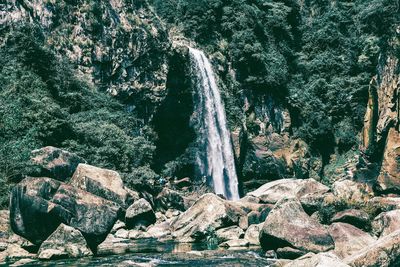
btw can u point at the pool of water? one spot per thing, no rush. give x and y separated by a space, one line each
155 253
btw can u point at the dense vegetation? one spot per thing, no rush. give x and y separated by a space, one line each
43 102
318 56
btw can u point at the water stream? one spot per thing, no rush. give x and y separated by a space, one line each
218 162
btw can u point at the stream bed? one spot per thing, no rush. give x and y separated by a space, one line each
156 253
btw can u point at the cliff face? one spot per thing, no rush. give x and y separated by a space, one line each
293 78
121 46
381 137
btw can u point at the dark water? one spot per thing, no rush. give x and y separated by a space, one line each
152 253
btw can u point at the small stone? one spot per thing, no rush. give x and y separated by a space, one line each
235 243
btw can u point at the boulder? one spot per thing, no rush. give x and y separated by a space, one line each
160 230
55 163
235 243
384 252
136 234
253 234
39 205
354 217
385 203
93 216
64 242
243 223
386 223
113 245
140 214
118 225
389 178
348 239
272 192
23 243
326 259
122 233
352 190
289 253
169 199
288 225
15 252
210 212
229 233
103 183
4 228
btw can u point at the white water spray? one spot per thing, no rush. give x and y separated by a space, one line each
218 162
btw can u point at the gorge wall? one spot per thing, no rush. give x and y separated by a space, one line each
294 77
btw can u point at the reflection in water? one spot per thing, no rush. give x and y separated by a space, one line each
154 253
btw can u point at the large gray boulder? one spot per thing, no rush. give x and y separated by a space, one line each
64 242
348 239
289 225
386 223
103 183
273 191
384 252
39 205
210 212
55 163
140 214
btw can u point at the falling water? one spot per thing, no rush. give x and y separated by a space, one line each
218 161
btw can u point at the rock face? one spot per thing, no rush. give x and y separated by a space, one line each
39 205
389 178
384 252
386 223
288 225
64 242
381 126
55 163
139 214
103 183
127 55
266 149
348 239
326 259
210 212
272 192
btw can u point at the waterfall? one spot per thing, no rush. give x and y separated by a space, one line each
217 162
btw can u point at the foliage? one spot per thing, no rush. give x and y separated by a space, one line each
319 57
43 102
142 179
